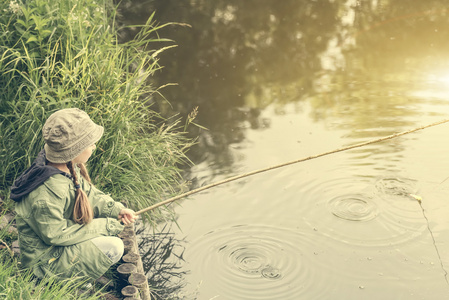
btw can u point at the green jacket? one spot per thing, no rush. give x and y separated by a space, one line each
51 243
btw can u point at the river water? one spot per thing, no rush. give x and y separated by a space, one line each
276 81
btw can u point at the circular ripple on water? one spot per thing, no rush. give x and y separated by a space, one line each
395 186
387 213
354 207
258 262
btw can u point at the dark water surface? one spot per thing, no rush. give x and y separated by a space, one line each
280 80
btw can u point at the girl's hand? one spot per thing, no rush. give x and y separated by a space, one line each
127 216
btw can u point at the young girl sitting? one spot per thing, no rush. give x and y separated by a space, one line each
66 226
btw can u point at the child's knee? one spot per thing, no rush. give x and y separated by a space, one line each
116 251
111 246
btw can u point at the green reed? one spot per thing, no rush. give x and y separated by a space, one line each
66 53
20 284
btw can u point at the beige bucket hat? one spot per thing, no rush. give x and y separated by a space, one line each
67 133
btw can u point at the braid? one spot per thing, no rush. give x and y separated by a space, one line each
84 173
82 210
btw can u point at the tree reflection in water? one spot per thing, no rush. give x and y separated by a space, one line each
348 59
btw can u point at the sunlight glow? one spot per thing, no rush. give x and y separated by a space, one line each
433 85
442 79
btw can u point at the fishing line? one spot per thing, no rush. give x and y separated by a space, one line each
419 199
170 200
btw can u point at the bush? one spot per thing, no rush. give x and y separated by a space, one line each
65 53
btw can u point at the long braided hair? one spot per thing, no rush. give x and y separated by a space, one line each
82 211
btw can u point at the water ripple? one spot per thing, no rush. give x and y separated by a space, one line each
259 262
396 186
353 207
385 212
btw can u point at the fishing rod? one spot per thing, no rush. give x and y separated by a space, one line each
388 137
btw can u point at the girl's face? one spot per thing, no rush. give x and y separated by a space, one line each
84 156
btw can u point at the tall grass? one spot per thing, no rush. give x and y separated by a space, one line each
20 284
65 53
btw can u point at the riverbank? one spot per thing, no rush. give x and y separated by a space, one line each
68 55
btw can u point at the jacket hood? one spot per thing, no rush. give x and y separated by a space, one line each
33 177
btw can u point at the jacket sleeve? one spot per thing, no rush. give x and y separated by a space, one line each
103 205
48 221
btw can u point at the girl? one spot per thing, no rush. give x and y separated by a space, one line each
66 226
